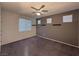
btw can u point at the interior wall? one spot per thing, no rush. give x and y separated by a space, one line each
10 28
0 29
78 27
66 32
0 24
33 21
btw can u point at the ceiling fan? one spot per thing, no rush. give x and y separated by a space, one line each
39 11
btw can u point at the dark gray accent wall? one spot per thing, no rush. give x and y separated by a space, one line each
66 32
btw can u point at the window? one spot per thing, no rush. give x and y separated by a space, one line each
24 25
39 21
49 20
67 18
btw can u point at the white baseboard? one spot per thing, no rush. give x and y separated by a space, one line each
59 41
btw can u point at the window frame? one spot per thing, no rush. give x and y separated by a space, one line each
24 25
49 20
65 19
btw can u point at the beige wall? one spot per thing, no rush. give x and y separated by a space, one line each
10 31
0 29
34 21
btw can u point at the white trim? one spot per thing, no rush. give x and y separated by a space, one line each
59 41
67 18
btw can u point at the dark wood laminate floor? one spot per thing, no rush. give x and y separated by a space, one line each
36 46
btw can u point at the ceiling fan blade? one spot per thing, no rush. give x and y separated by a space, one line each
34 8
33 12
44 10
42 7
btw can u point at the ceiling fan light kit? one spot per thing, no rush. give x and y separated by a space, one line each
38 14
39 11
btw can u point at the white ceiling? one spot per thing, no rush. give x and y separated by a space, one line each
52 7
